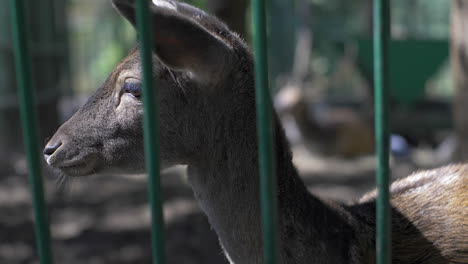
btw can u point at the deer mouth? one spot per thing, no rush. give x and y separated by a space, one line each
76 168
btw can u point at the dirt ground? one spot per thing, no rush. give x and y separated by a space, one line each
98 220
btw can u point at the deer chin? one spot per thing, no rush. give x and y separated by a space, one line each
79 167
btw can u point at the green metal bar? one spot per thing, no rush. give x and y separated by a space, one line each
151 130
381 86
265 136
29 123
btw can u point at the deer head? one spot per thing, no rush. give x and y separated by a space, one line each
195 58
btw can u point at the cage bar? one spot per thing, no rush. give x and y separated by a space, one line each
151 133
30 131
265 132
381 38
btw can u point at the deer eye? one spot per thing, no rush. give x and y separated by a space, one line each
133 88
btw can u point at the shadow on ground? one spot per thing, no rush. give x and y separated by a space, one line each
105 220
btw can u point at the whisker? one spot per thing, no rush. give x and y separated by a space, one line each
71 184
61 182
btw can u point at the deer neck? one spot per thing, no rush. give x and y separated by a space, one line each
225 182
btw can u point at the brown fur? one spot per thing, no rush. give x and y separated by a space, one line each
430 216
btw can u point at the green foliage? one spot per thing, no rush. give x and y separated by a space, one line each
410 19
426 19
99 39
337 24
198 3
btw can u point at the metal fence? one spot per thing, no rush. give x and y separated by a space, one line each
265 131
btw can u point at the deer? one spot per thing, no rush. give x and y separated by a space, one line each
205 94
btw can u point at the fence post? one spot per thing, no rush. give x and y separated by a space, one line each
265 136
29 123
151 130
381 86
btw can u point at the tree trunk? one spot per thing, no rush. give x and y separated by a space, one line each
232 12
459 59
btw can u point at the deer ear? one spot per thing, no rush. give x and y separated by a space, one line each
180 42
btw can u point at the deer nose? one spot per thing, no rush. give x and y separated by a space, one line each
51 148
